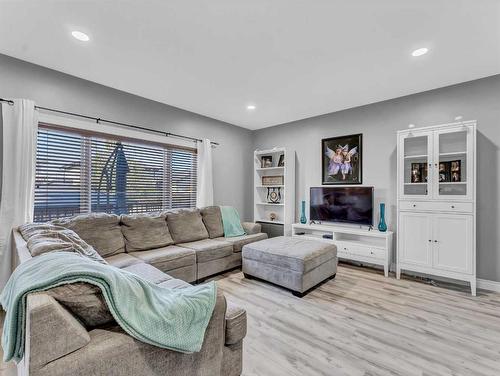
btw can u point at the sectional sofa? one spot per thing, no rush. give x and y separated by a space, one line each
70 331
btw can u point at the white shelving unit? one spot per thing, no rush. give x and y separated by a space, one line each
437 209
285 209
356 244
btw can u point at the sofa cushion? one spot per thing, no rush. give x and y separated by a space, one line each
236 324
186 226
148 272
85 301
45 238
208 249
122 260
212 219
239 241
145 231
167 258
101 230
174 283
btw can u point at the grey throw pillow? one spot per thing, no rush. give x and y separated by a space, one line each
212 219
145 231
186 225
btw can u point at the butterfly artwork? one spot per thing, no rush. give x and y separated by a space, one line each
341 159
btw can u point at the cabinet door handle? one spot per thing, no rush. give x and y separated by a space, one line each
435 165
414 205
453 206
435 241
430 240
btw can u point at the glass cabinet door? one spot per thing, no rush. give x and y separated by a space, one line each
415 163
453 163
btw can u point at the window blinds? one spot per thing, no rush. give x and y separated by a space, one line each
85 172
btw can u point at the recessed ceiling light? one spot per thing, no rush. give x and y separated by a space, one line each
251 107
420 51
80 36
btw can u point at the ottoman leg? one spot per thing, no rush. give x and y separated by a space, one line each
247 276
298 294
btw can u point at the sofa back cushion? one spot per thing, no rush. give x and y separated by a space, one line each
45 237
212 219
85 301
145 231
186 225
101 230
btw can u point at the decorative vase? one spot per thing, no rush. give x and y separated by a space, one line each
303 218
382 226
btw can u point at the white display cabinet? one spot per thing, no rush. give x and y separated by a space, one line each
437 201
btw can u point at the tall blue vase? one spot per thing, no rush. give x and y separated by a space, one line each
303 218
382 226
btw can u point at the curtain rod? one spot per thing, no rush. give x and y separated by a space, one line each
99 120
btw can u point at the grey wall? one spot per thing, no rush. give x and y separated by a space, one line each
479 100
232 159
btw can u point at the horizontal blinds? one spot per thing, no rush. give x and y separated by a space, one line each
79 173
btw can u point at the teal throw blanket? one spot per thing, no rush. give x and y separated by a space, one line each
174 319
231 222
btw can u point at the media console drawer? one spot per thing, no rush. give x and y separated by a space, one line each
357 250
461 207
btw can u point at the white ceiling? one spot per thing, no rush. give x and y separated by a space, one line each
293 59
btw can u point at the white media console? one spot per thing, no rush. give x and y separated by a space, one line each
356 244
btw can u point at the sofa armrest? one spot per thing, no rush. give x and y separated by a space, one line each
251 227
236 324
51 331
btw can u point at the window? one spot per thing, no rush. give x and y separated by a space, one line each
79 172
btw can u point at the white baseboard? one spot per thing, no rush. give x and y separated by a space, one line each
488 285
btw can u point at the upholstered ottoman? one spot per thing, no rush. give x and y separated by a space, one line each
295 263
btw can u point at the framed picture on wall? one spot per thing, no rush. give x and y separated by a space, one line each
342 159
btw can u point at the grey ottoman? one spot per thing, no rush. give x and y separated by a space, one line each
295 263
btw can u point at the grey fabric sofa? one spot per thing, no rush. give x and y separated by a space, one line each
188 244
60 342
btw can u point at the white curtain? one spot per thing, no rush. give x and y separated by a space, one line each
19 127
205 186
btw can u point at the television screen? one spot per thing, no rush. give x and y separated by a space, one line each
342 204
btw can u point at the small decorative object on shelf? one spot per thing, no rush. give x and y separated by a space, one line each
382 226
281 162
303 218
266 161
274 195
272 180
273 216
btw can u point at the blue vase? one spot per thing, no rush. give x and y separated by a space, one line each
382 226
303 218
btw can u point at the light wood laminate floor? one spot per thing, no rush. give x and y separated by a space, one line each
362 324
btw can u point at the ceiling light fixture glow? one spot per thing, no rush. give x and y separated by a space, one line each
81 36
420 51
251 107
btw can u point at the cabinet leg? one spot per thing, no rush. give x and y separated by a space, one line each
473 287
398 273
386 270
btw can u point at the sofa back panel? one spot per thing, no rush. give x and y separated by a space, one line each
101 230
145 231
186 225
212 219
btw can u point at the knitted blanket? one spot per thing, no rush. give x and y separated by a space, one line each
174 319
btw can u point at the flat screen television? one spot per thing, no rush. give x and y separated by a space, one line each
342 204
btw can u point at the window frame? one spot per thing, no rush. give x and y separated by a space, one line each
119 133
